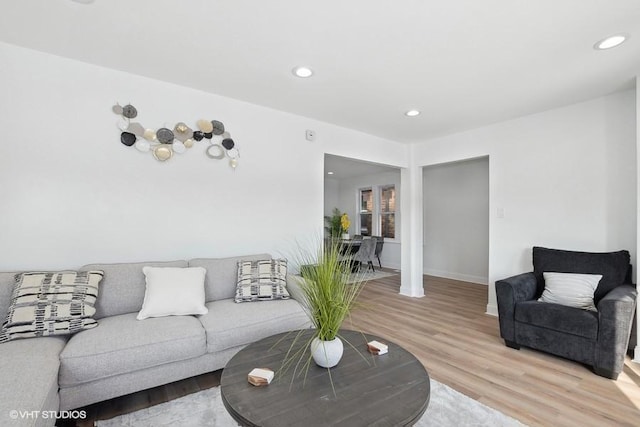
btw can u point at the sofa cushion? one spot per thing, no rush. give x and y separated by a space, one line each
230 325
29 370
51 303
570 320
122 344
262 280
222 274
173 292
122 288
7 282
612 265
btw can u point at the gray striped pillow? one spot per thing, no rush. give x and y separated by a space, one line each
51 303
570 289
262 280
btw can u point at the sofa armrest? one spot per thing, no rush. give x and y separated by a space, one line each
615 311
510 291
293 287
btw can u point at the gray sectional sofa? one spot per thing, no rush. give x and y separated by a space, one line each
123 355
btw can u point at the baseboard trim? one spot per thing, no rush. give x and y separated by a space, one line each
457 276
411 294
636 354
385 265
492 310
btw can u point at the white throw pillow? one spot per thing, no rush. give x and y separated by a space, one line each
570 289
173 291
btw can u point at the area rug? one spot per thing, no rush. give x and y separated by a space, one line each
367 275
446 408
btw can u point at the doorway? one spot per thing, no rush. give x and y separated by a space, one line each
346 180
456 220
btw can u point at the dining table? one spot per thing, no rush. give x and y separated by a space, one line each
350 246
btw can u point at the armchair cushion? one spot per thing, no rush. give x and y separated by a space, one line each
613 266
556 317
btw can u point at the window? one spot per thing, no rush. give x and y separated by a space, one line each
366 212
388 211
377 211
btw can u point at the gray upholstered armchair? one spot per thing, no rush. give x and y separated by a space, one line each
596 338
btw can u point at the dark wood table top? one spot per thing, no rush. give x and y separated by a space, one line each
388 390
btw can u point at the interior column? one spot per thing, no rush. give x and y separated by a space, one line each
411 219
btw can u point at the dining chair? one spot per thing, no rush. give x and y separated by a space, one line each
378 251
366 253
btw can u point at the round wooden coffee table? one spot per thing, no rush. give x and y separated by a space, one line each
388 390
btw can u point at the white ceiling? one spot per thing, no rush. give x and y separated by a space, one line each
463 63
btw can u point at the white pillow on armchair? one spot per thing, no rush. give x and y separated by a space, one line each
570 289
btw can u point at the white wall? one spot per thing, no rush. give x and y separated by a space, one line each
331 195
636 355
72 194
456 220
565 179
347 201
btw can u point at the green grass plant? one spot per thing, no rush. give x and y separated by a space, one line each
329 289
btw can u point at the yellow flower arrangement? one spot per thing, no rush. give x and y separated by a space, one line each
345 223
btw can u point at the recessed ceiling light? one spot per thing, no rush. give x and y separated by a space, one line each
83 1
610 42
412 113
329 173
302 72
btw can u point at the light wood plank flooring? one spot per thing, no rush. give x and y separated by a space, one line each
460 346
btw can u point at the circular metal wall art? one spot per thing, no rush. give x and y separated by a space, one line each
164 135
149 135
164 142
233 153
129 111
162 153
215 152
143 145
127 139
205 126
217 127
178 147
136 128
182 132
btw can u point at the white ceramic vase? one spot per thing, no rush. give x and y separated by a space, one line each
327 354
345 236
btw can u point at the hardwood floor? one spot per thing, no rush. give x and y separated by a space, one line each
460 346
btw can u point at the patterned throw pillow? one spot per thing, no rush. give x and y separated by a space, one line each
51 303
262 280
